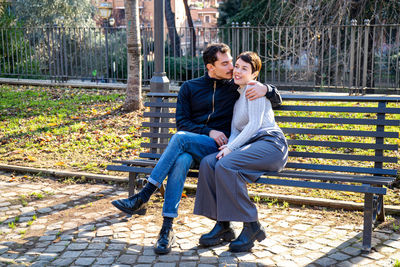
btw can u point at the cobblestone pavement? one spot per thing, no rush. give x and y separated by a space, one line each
47 223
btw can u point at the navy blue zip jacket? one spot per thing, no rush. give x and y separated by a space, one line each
206 104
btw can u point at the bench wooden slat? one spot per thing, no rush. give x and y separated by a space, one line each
334 177
150 155
342 156
309 143
125 168
341 144
335 168
323 185
160 104
158 115
159 124
157 135
339 132
137 162
340 109
337 121
152 145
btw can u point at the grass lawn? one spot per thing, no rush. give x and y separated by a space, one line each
76 129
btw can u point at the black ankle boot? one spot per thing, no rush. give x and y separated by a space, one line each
251 231
165 240
132 205
221 232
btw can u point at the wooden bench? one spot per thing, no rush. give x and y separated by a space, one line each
344 143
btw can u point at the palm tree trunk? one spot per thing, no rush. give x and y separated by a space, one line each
133 99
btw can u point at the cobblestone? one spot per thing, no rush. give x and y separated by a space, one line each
67 231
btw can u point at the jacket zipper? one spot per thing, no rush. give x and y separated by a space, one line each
215 87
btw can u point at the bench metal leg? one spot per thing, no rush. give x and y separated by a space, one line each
381 209
132 183
368 220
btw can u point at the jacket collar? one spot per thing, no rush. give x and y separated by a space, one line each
219 81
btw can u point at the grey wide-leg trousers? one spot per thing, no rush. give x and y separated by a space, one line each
222 185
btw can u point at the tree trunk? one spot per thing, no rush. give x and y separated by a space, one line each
191 29
133 99
175 41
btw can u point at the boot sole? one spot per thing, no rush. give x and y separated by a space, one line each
141 211
247 247
227 236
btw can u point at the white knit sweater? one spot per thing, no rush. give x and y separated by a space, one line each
250 117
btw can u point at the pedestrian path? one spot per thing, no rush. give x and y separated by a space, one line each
47 223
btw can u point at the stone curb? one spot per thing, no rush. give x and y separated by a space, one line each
298 200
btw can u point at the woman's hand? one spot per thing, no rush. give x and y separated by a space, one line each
224 151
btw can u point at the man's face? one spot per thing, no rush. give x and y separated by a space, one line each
222 68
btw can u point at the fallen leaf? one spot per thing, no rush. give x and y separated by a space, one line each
32 159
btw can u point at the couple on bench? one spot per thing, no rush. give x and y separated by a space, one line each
226 102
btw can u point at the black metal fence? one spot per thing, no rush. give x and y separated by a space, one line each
360 57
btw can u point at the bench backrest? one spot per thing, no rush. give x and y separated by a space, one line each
325 133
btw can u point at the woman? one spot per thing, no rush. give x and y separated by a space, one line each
256 145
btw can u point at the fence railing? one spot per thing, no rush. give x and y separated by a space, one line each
359 57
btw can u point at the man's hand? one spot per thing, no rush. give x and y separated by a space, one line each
224 151
219 137
256 90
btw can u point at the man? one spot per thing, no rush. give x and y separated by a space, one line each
203 119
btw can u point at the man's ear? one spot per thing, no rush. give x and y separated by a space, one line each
210 67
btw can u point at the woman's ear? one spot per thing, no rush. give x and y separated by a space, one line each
255 75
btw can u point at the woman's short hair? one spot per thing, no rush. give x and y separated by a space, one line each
253 59
210 53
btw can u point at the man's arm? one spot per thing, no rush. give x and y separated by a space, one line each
270 91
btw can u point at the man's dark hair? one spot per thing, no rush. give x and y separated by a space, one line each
210 53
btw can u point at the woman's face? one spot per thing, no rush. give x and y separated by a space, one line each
242 73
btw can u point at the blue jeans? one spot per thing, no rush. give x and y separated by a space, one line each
183 150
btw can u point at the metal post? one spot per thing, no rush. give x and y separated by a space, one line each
159 82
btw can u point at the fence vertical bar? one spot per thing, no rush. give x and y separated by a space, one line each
266 56
279 53
4 58
352 41
373 56
366 50
8 52
30 53
286 51
12 52
337 55
65 55
397 59
358 63
328 75
389 55
321 83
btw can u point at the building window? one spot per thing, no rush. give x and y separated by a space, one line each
207 19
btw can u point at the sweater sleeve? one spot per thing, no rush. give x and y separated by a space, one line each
256 109
184 111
